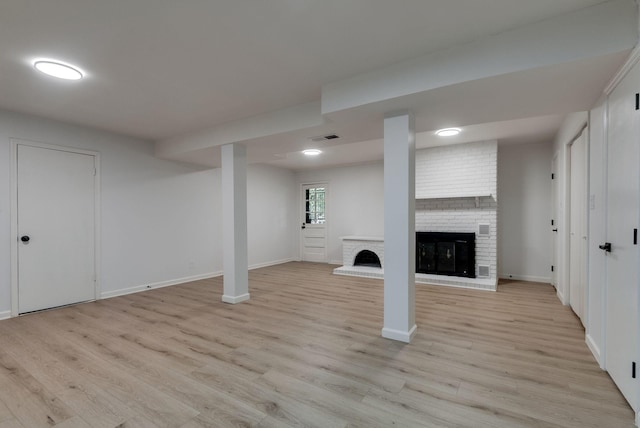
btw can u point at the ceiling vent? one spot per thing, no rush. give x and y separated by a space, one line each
325 137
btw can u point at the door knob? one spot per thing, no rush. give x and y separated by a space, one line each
25 238
606 247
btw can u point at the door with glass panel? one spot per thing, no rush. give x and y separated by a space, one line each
313 235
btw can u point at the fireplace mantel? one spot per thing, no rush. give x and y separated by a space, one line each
363 238
450 196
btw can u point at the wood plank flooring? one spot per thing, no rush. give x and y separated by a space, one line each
305 351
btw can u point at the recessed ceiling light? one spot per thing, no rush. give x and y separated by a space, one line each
58 69
448 132
311 152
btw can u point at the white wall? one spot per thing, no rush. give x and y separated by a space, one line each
355 204
272 221
161 220
524 212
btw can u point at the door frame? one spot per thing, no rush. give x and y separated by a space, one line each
583 255
555 216
301 218
15 142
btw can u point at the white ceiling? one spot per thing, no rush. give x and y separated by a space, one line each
158 69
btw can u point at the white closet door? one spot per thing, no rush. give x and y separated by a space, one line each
623 216
578 227
56 228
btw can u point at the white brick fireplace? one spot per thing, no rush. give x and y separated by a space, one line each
456 191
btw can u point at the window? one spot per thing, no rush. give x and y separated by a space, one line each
314 205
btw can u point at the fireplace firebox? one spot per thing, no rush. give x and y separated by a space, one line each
446 253
367 258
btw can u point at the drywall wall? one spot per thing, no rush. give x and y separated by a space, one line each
355 203
272 221
524 212
161 221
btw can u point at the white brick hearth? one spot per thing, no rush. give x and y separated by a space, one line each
351 246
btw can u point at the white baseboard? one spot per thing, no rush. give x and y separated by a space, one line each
335 262
530 278
561 297
267 264
5 315
139 288
401 336
235 299
595 349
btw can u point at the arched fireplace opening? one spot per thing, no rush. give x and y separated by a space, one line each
368 259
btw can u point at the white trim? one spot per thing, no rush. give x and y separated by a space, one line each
529 278
595 350
622 72
605 219
14 227
15 142
97 227
401 336
5 315
139 288
334 262
273 263
561 297
235 299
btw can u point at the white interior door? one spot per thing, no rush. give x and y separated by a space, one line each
314 223
56 228
578 226
623 214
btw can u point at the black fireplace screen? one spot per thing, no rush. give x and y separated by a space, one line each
445 253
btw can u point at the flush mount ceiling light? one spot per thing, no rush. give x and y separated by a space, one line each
58 69
311 152
448 132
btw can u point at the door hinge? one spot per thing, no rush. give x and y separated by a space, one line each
637 101
633 369
551 268
635 236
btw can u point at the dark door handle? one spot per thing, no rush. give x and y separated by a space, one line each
303 226
554 230
25 238
606 247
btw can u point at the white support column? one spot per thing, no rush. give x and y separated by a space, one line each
234 221
399 227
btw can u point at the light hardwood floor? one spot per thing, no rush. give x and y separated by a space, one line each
305 350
